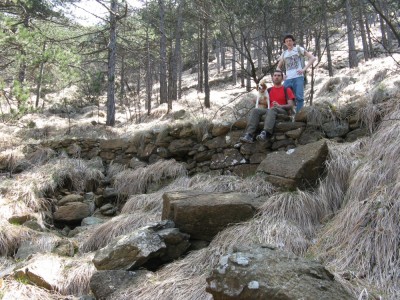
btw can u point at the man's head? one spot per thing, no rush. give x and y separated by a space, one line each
277 77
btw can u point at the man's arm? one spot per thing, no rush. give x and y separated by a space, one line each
287 106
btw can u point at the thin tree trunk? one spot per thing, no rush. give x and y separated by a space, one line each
112 51
40 78
248 78
259 52
200 71
327 44
217 55
367 27
223 60
353 61
163 55
149 81
362 30
242 75
234 71
206 83
122 79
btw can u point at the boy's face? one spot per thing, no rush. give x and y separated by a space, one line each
289 42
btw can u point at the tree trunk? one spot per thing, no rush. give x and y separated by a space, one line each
149 80
353 61
163 55
200 71
234 71
242 75
112 51
362 30
122 79
223 61
248 78
217 55
259 52
172 88
206 84
40 78
327 43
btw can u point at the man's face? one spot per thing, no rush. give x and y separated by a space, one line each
277 78
289 42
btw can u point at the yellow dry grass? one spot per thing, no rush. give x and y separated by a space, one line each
365 234
131 182
31 186
11 237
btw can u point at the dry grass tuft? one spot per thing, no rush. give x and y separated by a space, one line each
77 273
343 158
11 237
138 181
255 185
300 208
30 187
19 290
117 226
40 156
114 169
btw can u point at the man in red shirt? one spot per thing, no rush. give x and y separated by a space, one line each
281 102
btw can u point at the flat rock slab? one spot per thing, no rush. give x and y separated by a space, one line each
203 215
268 273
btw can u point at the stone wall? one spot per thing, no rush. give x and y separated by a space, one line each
211 147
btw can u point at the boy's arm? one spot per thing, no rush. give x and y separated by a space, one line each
280 63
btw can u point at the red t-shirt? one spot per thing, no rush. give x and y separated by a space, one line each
278 95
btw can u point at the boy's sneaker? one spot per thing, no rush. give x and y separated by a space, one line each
263 136
247 138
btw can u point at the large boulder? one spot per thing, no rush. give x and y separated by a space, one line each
267 273
152 245
203 215
296 168
105 283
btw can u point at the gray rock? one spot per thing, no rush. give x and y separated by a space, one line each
356 134
296 168
70 198
203 215
72 212
229 158
267 273
129 251
336 128
310 135
104 283
91 221
43 271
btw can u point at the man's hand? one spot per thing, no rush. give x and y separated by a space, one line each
275 104
300 72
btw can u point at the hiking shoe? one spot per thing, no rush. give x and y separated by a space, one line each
247 138
263 136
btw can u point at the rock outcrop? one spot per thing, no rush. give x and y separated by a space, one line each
268 273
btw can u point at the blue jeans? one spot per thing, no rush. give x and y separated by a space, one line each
297 86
